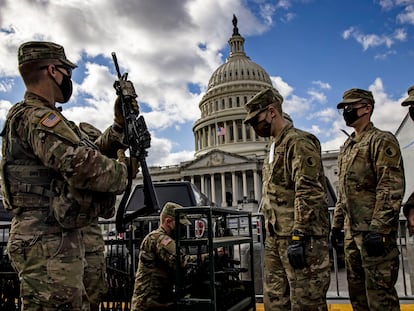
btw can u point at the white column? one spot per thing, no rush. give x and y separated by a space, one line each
192 179
234 188
244 132
213 188
223 190
202 184
235 132
244 184
256 182
209 136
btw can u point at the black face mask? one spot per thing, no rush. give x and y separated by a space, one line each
411 112
352 115
65 87
262 128
183 231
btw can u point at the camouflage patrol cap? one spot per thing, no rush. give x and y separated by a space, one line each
39 50
410 99
354 96
260 101
169 210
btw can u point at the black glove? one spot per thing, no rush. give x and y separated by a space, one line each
337 238
296 250
119 118
374 244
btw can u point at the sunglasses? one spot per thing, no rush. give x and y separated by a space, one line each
350 107
67 68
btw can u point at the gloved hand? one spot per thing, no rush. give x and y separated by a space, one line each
374 244
119 117
296 250
337 237
132 164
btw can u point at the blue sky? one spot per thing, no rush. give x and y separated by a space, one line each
313 50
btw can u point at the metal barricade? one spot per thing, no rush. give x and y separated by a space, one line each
121 253
9 282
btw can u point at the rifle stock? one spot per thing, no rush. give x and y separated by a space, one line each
138 139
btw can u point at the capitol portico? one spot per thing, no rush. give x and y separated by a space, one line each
228 154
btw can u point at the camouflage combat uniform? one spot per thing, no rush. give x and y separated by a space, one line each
371 187
155 277
95 278
41 147
294 198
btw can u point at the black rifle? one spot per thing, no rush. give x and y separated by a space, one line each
138 139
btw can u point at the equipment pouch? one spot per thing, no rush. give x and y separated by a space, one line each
76 208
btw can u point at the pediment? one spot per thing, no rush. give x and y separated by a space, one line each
216 158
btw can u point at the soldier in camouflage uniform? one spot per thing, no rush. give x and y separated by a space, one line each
295 208
371 187
155 277
55 180
408 209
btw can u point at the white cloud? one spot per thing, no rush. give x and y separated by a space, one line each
161 154
163 45
322 85
4 108
407 17
283 87
6 85
373 40
316 96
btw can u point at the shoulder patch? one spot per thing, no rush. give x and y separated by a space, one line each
166 240
391 151
51 119
310 161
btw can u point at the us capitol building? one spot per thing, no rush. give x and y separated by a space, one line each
227 166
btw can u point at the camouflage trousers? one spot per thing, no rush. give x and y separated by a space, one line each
371 280
95 278
50 269
288 289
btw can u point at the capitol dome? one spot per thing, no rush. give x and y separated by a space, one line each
222 107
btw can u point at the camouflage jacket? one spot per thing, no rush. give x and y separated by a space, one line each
371 182
38 135
108 144
294 186
155 276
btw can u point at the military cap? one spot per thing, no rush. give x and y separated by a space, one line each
39 50
169 210
354 96
260 101
410 99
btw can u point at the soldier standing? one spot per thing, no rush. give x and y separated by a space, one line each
54 180
295 208
155 276
371 187
408 209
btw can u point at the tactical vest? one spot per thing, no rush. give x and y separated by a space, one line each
28 184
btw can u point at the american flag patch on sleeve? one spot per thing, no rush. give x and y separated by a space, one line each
51 119
165 241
